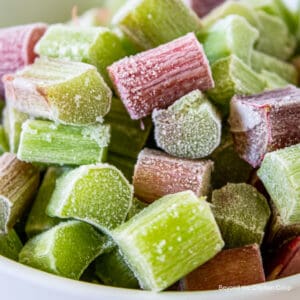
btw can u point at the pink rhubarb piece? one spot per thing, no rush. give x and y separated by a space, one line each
203 7
158 77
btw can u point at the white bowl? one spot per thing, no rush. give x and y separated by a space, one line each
21 282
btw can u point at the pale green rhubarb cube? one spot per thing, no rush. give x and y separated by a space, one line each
10 245
38 221
280 173
98 46
231 35
98 194
46 142
169 239
67 92
150 23
66 250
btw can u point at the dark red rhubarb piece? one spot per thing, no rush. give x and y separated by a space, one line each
203 7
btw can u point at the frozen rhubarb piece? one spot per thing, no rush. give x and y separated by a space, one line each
233 77
92 17
13 120
158 174
242 214
123 163
189 128
17 47
169 239
66 249
286 261
157 77
98 194
49 143
229 268
203 7
265 122
228 166
128 137
280 173
18 184
231 35
3 141
112 270
136 207
273 80
149 23
98 46
261 61
10 245
65 92
275 38
38 221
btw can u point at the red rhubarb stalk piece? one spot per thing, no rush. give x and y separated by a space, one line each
17 47
203 7
158 174
158 77
229 268
265 122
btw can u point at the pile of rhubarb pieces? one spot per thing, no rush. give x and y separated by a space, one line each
154 144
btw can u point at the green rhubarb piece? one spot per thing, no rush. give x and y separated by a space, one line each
63 91
261 61
137 207
18 184
124 164
275 38
231 35
38 221
169 239
98 46
49 143
280 173
228 166
128 137
233 77
10 245
273 80
66 249
13 120
97 194
189 128
3 141
2 105
149 23
242 214
112 270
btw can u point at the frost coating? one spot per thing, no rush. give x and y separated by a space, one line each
190 128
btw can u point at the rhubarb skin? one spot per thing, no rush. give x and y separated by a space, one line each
229 268
203 7
265 122
158 174
286 261
157 77
17 47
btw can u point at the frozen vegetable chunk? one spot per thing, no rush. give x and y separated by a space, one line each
265 122
65 92
10 245
280 173
229 268
203 7
98 46
169 239
158 174
3 141
157 77
66 250
50 143
97 194
17 47
18 183
242 214
149 23
136 207
38 221
189 128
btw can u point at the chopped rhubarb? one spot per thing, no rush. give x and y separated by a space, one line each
203 7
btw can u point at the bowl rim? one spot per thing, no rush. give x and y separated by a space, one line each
70 286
